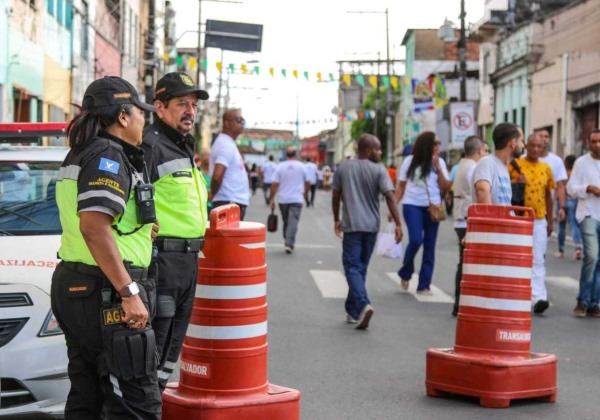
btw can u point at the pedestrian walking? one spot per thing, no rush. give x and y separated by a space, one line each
570 218
253 173
539 184
291 182
311 172
423 181
181 206
357 183
268 169
584 185
100 293
559 195
491 180
229 182
474 150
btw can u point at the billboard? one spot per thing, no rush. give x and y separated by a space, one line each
233 36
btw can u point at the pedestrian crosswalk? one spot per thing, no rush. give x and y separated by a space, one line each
332 285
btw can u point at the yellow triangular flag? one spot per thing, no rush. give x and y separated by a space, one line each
373 80
166 57
272 71
319 76
244 68
295 73
192 62
347 79
394 82
219 66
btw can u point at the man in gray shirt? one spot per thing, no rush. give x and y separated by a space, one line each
357 183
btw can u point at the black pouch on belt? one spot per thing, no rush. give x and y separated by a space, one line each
130 354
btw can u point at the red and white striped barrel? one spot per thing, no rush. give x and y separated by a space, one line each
225 349
494 314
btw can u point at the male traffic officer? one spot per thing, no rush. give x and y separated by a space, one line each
181 200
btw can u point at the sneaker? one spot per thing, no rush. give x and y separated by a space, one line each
594 312
540 307
288 249
580 310
350 320
425 292
364 318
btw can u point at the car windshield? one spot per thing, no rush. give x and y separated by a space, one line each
28 199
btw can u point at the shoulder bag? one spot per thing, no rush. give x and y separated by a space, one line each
518 188
437 212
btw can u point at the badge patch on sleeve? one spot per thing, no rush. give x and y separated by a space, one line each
113 316
109 165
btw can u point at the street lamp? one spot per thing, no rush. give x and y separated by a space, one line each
389 118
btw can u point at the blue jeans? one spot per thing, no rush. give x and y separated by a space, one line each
589 281
357 250
421 231
573 225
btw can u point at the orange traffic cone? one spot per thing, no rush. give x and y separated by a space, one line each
491 358
223 372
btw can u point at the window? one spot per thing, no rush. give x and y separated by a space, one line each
59 12
69 15
50 7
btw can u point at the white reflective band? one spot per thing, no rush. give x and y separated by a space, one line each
231 292
494 238
254 246
169 365
496 304
163 375
506 271
227 333
115 382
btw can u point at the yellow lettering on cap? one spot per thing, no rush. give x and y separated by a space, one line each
122 95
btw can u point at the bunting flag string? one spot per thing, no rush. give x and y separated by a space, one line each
362 115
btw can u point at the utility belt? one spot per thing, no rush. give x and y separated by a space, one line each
178 245
137 274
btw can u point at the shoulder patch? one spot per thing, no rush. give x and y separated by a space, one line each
180 174
109 165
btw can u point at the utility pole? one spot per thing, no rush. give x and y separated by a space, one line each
462 54
390 112
149 58
198 49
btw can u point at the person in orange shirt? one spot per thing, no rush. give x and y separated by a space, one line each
392 173
539 183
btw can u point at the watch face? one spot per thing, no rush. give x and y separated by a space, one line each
130 290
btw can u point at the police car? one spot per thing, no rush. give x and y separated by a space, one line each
33 354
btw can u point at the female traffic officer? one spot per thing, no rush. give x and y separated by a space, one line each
99 290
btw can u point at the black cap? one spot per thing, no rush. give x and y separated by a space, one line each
173 85
112 90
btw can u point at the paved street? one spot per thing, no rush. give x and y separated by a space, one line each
380 373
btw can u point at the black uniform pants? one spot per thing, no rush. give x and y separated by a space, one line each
461 233
176 291
76 302
310 201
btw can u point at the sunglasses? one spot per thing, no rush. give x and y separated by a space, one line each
240 120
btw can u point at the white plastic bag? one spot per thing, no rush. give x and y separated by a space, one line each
386 243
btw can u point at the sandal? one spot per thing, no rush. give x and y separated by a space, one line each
404 284
577 255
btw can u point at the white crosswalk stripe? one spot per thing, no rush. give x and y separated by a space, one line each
438 296
331 283
564 282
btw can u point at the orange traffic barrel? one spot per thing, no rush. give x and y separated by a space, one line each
223 372
491 358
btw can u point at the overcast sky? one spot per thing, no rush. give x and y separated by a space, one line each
309 35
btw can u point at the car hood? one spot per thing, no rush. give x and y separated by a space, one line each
29 259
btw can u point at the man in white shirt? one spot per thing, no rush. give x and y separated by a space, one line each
229 182
291 182
559 172
584 185
268 169
475 149
311 172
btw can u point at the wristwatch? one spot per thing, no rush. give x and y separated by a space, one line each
131 289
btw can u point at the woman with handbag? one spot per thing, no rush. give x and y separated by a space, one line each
422 183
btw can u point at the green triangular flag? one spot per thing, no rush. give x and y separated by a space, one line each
231 67
284 72
256 69
331 77
179 61
204 64
386 81
360 79
306 75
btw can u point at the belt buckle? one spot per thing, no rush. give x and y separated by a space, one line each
188 245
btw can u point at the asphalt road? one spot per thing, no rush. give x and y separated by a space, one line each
343 373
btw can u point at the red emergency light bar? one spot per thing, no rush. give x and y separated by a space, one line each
27 130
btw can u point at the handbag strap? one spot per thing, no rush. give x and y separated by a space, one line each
427 191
